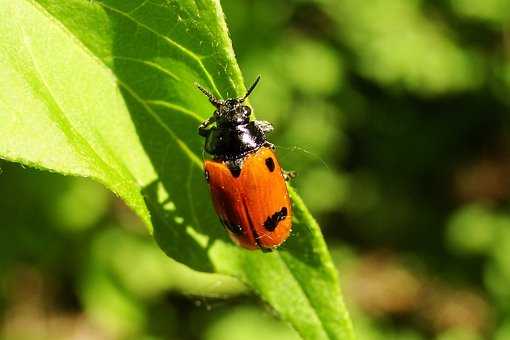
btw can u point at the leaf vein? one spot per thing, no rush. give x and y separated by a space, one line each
182 145
174 107
150 64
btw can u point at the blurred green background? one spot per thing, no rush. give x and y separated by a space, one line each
394 113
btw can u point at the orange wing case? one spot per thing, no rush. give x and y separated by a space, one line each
255 206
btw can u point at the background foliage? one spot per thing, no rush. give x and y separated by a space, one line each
393 112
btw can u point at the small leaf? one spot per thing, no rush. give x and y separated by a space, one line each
105 89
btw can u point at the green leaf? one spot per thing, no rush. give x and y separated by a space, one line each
105 89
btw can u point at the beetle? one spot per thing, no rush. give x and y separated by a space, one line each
247 184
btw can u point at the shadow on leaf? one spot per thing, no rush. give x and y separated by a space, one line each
157 82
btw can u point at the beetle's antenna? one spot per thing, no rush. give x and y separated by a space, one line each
209 95
250 89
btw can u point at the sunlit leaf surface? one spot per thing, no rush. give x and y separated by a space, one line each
105 89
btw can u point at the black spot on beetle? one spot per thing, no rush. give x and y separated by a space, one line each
235 171
270 163
235 166
234 228
272 221
206 174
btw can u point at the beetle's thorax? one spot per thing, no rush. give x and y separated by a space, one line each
228 141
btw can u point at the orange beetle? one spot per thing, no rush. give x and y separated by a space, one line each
247 184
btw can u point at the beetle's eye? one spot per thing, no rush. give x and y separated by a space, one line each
247 110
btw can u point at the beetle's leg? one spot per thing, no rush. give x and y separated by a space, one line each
203 128
269 145
288 175
264 126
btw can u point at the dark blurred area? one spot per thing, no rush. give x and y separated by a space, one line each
395 115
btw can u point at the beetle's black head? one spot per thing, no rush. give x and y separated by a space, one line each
232 111
234 135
